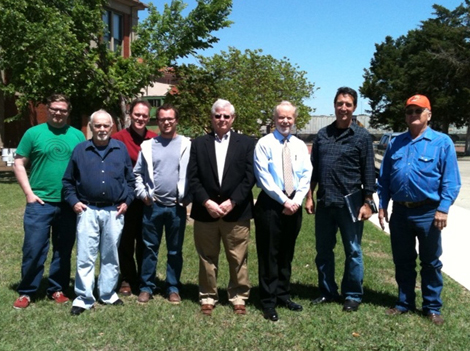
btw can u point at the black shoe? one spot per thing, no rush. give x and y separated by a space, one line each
271 314
324 299
291 305
118 302
76 311
350 305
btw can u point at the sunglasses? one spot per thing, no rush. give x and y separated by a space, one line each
58 110
410 111
219 116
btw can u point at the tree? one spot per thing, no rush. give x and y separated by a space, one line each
252 82
51 46
431 60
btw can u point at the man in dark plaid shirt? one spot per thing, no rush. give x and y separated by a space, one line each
343 163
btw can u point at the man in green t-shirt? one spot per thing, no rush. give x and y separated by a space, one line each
47 148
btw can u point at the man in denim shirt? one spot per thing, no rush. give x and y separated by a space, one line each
99 185
420 174
343 163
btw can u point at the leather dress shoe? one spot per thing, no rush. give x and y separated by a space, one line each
239 309
324 299
118 302
144 297
271 314
291 305
435 318
174 298
350 305
206 309
125 289
76 311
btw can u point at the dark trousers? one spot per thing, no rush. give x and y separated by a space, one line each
276 234
54 221
131 243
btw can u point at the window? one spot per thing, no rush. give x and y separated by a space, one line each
113 30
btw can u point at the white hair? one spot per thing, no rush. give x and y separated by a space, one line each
101 112
221 103
285 103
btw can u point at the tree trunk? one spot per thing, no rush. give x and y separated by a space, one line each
445 127
122 118
467 140
2 111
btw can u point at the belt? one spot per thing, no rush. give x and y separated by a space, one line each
99 204
416 204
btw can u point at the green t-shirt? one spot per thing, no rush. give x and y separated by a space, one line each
49 150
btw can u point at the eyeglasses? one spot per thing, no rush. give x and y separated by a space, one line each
410 111
99 126
219 116
169 120
138 115
58 110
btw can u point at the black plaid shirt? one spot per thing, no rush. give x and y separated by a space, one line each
343 162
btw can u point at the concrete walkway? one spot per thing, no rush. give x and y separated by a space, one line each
456 236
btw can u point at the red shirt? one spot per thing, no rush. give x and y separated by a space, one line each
132 140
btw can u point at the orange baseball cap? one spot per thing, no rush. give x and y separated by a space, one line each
419 100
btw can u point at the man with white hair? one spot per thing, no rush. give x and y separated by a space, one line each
283 173
99 185
221 178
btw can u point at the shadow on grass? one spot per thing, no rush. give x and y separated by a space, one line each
7 177
41 293
299 291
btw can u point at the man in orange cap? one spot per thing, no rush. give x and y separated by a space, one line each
420 174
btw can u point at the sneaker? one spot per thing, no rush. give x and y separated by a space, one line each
59 297
174 298
22 302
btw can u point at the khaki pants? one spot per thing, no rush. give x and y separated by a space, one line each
235 236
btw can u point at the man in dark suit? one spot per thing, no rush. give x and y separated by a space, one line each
221 178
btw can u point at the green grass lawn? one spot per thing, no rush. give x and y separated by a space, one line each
161 326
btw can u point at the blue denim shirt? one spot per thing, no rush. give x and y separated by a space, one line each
420 169
91 177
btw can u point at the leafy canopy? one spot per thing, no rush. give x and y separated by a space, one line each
49 46
433 60
254 83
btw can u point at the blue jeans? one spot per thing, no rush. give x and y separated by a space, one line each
173 219
98 231
39 222
327 222
407 224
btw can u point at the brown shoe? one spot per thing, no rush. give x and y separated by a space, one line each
125 289
206 309
435 318
144 297
239 309
394 312
174 298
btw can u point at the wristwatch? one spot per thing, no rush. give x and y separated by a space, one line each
372 205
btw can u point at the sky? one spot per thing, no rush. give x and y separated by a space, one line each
333 41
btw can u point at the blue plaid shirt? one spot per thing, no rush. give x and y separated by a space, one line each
343 162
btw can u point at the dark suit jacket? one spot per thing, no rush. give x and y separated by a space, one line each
237 182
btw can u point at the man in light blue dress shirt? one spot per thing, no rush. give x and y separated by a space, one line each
420 174
278 212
